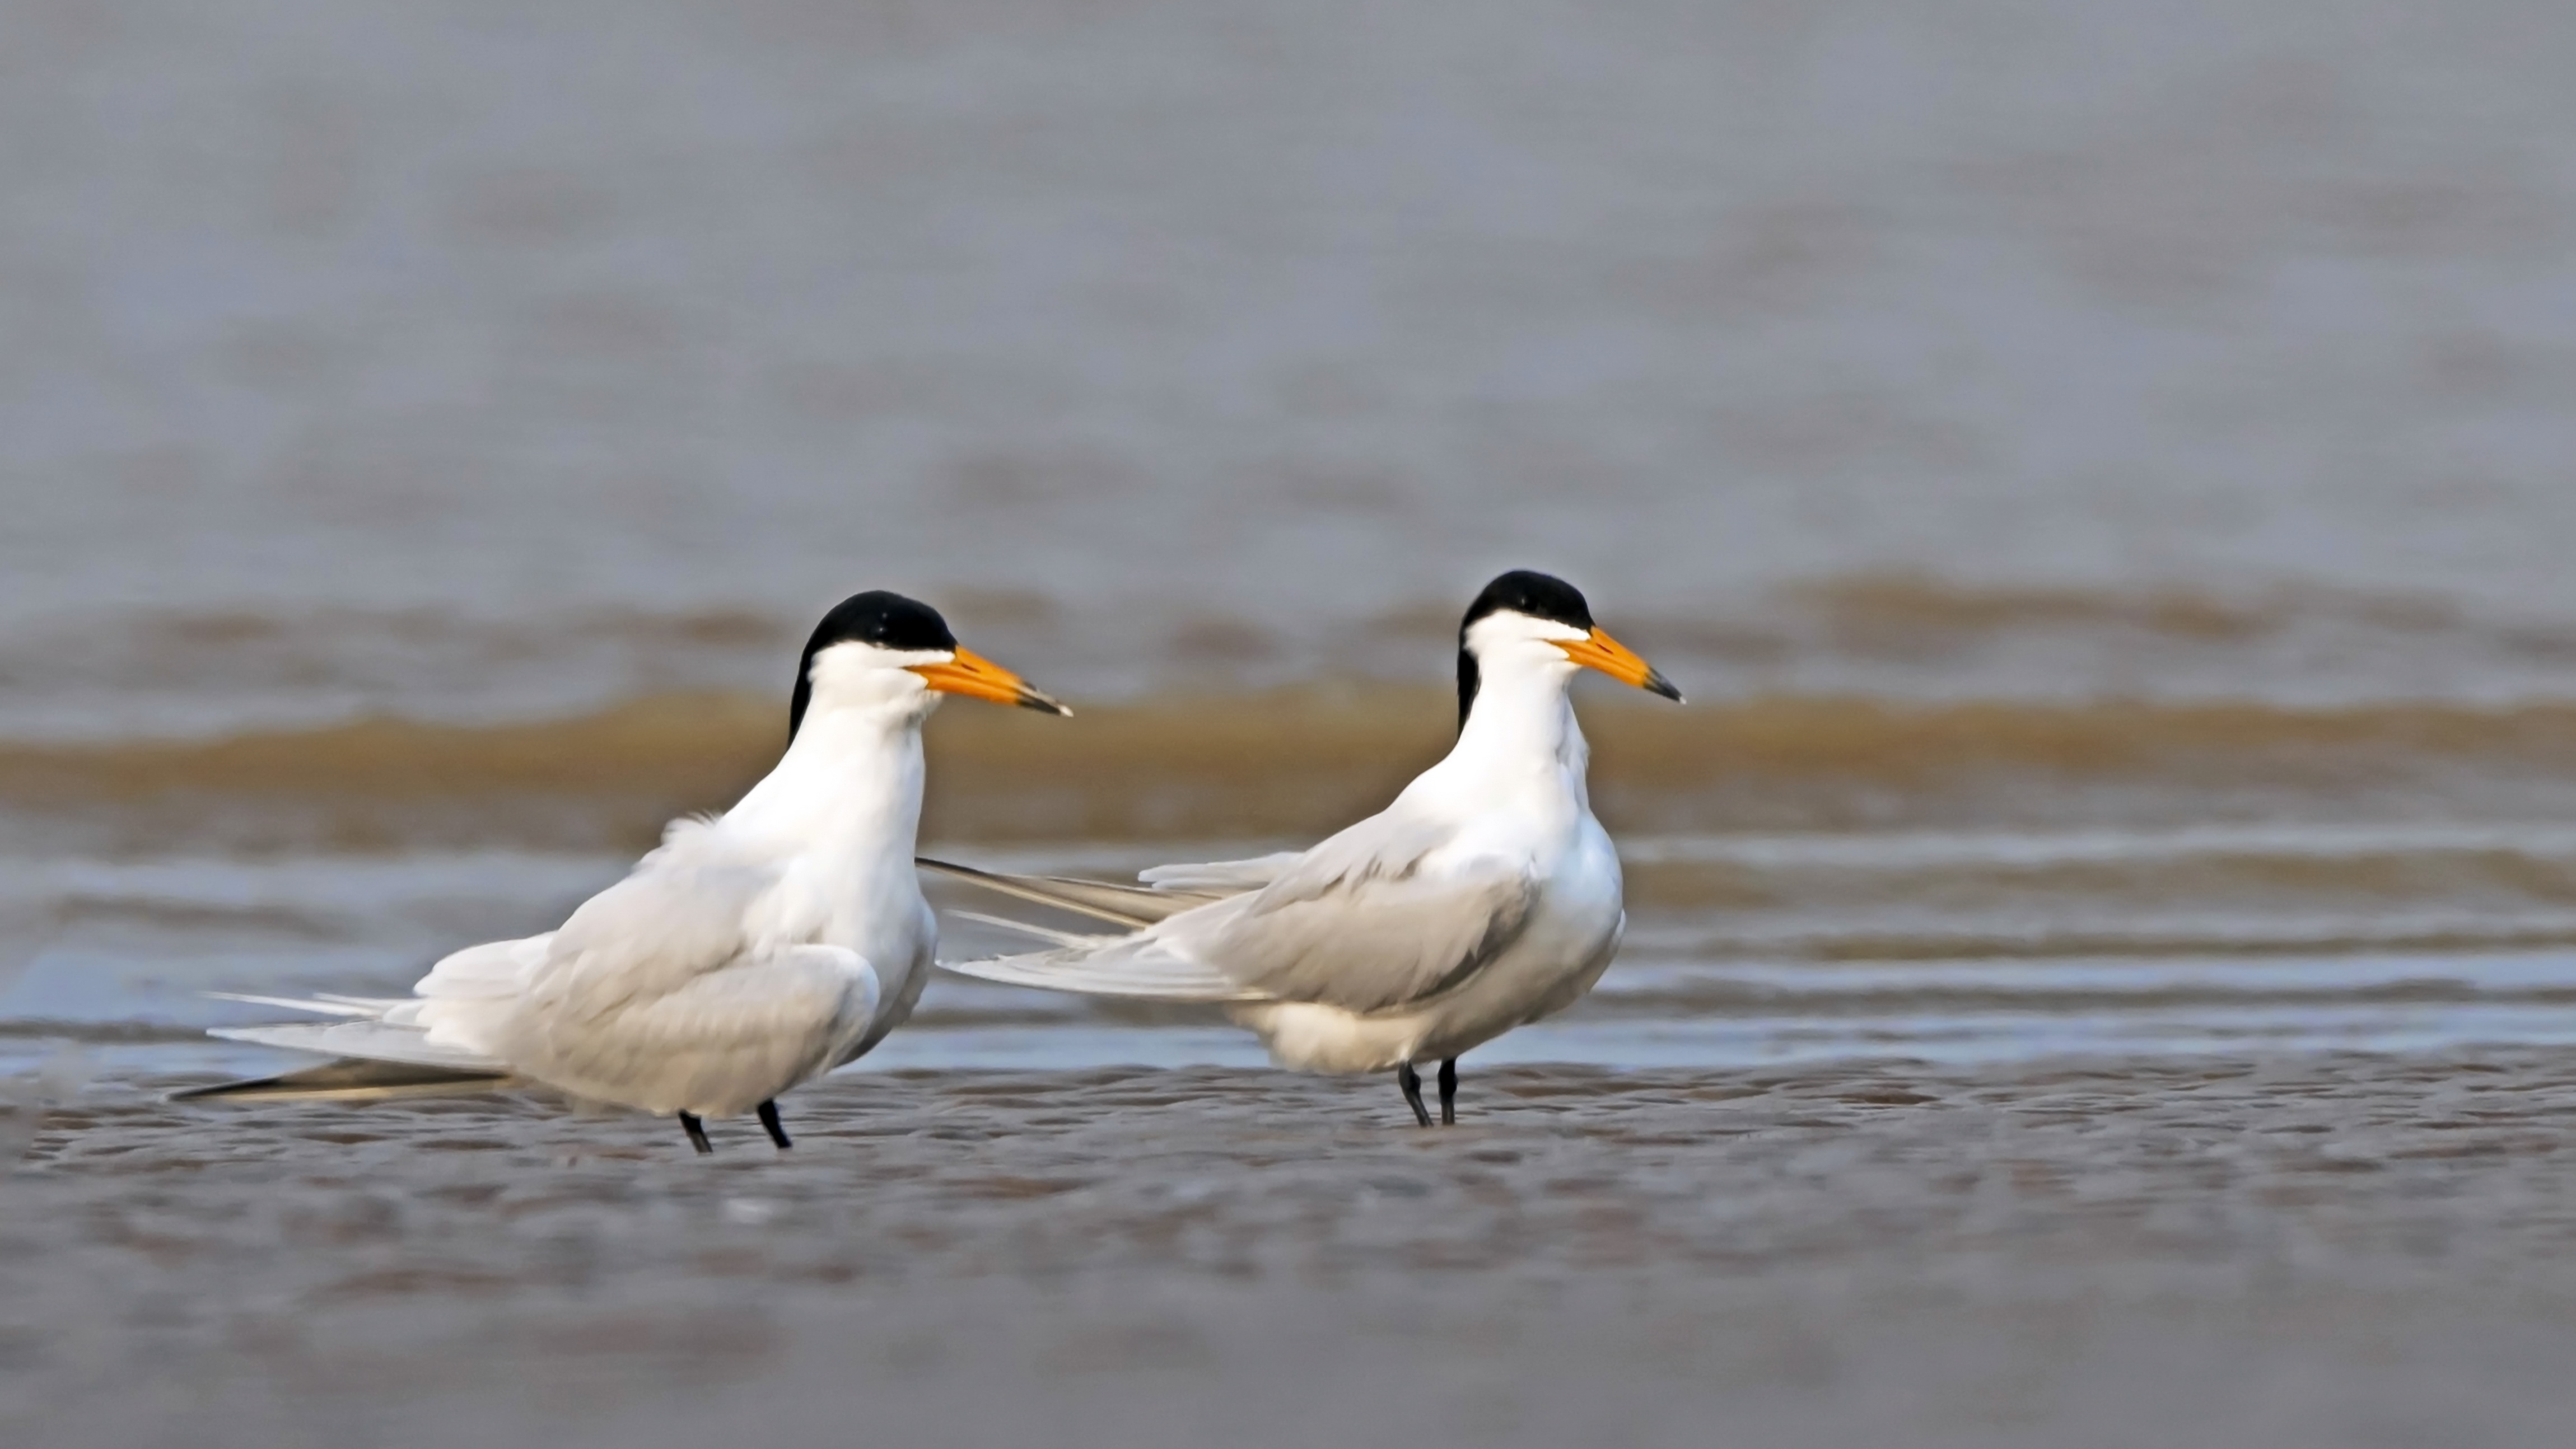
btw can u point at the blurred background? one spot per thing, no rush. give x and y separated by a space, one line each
2101 472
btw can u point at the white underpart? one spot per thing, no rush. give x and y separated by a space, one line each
1485 897
751 952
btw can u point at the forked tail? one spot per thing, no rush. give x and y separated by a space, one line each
353 1080
376 1058
1135 962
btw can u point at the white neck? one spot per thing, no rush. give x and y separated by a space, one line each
848 788
1519 731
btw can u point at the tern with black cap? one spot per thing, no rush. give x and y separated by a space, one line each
755 950
1484 898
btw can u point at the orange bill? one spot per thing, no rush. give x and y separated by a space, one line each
1600 651
972 674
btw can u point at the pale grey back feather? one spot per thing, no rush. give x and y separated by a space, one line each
1141 966
1354 923
679 916
1026 928
492 970
1122 905
654 994
372 1040
320 1004
1222 877
759 1018
1377 945
1359 923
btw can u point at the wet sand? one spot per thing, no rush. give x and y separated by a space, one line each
1302 763
2327 1250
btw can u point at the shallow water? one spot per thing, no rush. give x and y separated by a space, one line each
463 364
1742 950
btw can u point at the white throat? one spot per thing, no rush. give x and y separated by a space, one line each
849 782
1523 719
1519 742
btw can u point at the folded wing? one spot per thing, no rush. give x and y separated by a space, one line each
656 993
1223 877
1121 905
1376 918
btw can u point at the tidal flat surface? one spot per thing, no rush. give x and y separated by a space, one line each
2327 1249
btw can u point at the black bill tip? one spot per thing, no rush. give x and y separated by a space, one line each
1041 701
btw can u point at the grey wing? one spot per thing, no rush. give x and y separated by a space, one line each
679 916
368 1040
1167 891
1216 878
1361 922
726 1035
1123 905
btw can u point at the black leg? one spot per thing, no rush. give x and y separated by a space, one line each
1448 1091
769 1119
697 1131
1411 1081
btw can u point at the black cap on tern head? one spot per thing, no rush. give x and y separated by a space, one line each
886 620
1527 591
1522 591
